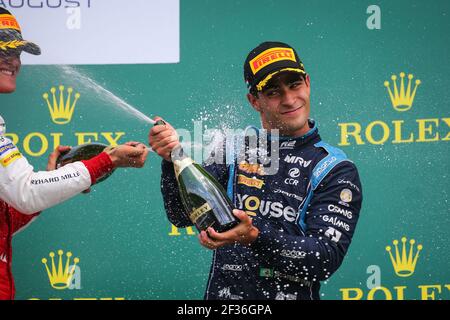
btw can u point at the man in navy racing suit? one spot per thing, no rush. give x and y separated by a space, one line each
296 225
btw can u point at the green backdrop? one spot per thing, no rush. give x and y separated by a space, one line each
119 231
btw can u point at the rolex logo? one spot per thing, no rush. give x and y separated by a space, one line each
404 263
60 278
61 105
402 99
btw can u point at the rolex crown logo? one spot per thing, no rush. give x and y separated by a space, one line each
404 265
61 108
60 278
402 99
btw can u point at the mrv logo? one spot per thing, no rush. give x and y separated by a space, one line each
297 160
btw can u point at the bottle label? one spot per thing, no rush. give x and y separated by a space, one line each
180 165
200 211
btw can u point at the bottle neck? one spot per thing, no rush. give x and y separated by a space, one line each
180 160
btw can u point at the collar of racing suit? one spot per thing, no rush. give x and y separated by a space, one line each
310 135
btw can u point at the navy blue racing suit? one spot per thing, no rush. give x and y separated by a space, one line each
306 214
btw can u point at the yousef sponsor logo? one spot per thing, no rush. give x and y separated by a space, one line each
252 204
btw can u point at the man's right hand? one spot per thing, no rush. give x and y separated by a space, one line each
163 139
130 154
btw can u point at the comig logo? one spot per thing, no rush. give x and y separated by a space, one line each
61 107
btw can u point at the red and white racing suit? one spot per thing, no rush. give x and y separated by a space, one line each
24 193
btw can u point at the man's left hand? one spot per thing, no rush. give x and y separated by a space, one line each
244 233
51 165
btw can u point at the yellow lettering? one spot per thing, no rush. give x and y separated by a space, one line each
400 293
56 139
345 133
176 232
385 128
346 294
423 129
426 294
447 121
82 137
248 206
111 141
44 144
13 137
386 292
398 132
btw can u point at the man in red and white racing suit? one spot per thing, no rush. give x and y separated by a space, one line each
23 192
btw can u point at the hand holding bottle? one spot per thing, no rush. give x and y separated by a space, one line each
51 164
163 139
130 154
244 233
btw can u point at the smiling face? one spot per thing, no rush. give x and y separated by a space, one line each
284 104
9 68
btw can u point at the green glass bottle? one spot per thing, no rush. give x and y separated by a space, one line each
83 152
204 199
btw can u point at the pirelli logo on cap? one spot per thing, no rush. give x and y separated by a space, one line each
10 158
270 56
7 21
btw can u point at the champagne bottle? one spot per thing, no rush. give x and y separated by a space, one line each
83 152
203 198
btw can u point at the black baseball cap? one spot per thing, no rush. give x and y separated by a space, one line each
268 59
11 40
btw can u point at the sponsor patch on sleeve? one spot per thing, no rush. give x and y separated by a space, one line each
10 158
6 148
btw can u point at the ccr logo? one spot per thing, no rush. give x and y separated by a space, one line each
294 172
